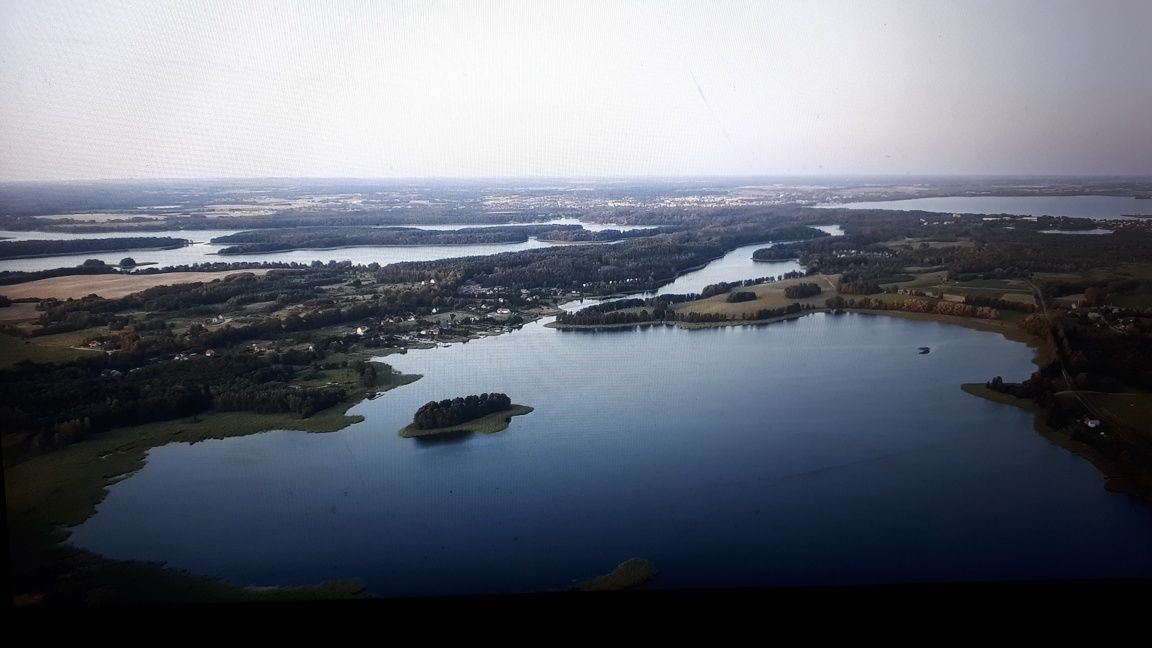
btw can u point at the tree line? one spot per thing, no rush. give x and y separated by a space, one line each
802 290
278 240
739 296
913 305
999 304
17 249
43 406
453 411
661 313
581 235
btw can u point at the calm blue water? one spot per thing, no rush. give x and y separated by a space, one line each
1076 206
736 265
817 451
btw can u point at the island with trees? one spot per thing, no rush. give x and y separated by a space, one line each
46 248
487 412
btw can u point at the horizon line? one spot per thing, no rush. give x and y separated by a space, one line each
584 178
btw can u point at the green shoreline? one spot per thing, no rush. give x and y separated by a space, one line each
487 424
1008 331
679 324
49 493
1115 478
116 251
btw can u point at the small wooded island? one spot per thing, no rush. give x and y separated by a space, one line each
476 413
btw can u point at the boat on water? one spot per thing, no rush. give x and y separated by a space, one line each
924 350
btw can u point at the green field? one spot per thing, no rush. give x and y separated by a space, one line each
1131 410
14 349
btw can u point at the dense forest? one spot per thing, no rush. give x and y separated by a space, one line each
453 411
802 290
47 406
17 249
632 265
580 235
279 240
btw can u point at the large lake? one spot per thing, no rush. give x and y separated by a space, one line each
823 450
1076 206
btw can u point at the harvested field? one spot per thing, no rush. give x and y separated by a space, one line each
108 286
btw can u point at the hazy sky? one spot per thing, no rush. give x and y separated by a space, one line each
375 89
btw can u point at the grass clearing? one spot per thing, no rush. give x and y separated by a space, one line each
71 338
768 295
19 312
14 349
1019 298
1130 410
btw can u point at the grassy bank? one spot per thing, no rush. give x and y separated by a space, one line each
14 349
1007 329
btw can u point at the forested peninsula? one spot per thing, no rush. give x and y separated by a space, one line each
38 248
282 240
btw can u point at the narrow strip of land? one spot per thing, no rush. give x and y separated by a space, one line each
107 286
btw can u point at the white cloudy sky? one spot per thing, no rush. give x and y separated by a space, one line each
121 89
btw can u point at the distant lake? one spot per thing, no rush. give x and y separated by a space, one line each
1075 206
737 265
201 251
